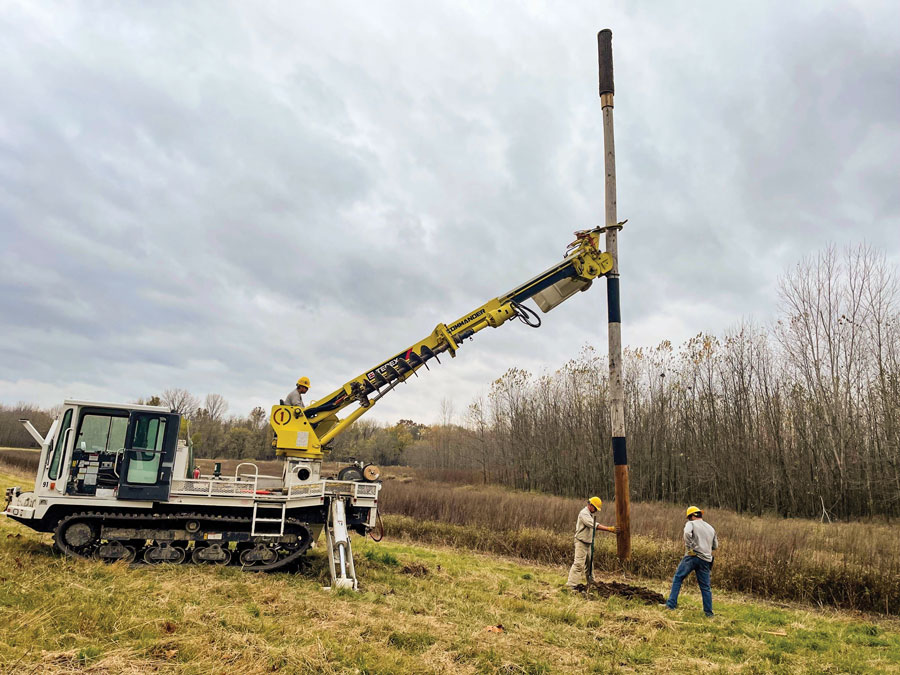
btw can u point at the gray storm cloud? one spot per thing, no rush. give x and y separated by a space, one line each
225 197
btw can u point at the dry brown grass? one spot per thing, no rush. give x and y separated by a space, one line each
19 461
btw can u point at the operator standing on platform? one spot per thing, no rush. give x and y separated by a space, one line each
295 398
584 531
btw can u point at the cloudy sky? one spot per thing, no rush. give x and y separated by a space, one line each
222 197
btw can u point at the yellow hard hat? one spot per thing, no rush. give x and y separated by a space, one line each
596 502
691 510
303 382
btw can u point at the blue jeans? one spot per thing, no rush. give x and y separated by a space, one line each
701 568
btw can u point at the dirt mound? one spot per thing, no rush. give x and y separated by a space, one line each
415 569
605 589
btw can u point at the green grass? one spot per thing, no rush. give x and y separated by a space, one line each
382 557
420 610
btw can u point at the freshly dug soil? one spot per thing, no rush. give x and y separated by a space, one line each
415 569
605 589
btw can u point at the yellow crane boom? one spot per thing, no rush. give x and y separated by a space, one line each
305 432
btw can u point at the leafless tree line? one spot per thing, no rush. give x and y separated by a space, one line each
798 418
212 433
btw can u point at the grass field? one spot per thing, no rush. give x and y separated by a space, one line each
847 565
421 610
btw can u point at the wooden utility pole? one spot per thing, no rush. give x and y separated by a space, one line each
616 385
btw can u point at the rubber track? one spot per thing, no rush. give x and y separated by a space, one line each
98 517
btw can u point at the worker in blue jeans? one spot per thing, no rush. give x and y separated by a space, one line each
700 541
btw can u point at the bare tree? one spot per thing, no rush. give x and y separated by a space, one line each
216 406
181 401
478 422
257 417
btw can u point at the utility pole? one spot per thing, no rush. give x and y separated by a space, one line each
616 385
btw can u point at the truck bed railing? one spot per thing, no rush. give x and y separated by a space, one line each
232 487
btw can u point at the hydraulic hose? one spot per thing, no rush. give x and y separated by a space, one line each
379 526
526 315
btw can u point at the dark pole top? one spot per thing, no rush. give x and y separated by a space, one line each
604 52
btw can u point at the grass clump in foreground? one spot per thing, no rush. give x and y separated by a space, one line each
433 610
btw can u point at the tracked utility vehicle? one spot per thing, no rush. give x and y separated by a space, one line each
114 484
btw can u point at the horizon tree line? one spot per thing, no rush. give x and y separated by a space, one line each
800 416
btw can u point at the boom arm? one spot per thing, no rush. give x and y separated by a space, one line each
304 432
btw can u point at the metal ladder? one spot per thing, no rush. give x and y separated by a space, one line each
258 519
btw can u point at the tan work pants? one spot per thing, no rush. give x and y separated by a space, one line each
577 571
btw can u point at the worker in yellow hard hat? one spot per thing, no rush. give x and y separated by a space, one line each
295 398
585 526
700 541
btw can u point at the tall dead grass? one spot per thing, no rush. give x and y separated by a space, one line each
20 462
851 565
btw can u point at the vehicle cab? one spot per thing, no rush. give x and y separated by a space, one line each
99 452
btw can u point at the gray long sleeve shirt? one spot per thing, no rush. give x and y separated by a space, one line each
294 398
584 526
700 539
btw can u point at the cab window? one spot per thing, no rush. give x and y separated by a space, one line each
101 433
59 450
146 453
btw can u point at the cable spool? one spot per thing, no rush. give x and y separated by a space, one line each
350 473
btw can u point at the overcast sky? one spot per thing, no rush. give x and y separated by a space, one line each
223 197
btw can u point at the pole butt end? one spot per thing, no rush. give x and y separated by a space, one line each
604 53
